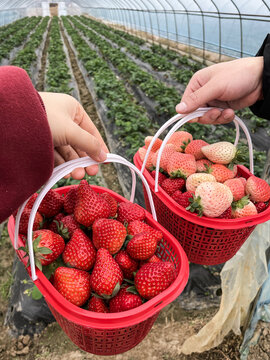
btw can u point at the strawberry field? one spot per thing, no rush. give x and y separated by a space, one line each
129 87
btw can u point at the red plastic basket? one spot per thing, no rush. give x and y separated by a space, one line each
109 334
206 241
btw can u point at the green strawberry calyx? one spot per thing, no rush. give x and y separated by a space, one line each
240 204
195 205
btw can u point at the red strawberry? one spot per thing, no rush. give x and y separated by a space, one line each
128 212
126 263
142 246
51 204
31 201
107 276
124 301
180 138
73 284
176 195
153 278
171 185
38 221
112 202
97 305
137 226
50 240
152 259
181 165
227 214
157 144
260 206
194 148
161 177
109 234
55 222
257 189
70 200
67 226
89 205
79 251
184 199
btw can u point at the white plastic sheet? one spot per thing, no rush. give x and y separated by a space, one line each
241 278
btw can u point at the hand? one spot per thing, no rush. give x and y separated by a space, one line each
74 134
230 85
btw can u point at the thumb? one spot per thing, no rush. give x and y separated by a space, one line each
194 99
83 140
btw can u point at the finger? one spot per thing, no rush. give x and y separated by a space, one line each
84 121
90 170
225 117
81 139
193 100
210 117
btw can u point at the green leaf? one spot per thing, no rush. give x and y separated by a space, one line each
36 294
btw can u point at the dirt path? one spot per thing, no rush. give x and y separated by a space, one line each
108 170
41 76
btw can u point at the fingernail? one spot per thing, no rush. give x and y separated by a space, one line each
182 107
102 156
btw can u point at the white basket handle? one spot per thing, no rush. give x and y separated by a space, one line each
172 121
58 173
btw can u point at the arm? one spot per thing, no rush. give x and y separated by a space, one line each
262 107
26 147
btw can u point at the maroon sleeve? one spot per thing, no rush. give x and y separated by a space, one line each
26 148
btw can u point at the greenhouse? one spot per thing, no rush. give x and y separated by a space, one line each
137 263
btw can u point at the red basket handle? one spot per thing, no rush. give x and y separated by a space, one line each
58 173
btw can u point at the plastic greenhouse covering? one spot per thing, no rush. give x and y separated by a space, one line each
232 27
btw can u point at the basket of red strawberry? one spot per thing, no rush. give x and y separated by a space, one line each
104 265
206 201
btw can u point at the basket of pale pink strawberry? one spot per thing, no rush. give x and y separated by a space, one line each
104 265
203 196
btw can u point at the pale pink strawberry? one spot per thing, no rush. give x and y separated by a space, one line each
211 199
194 148
161 176
128 212
257 189
137 226
237 188
149 162
168 150
221 172
202 165
179 138
243 207
157 144
181 165
243 180
222 152
171 185
194 180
